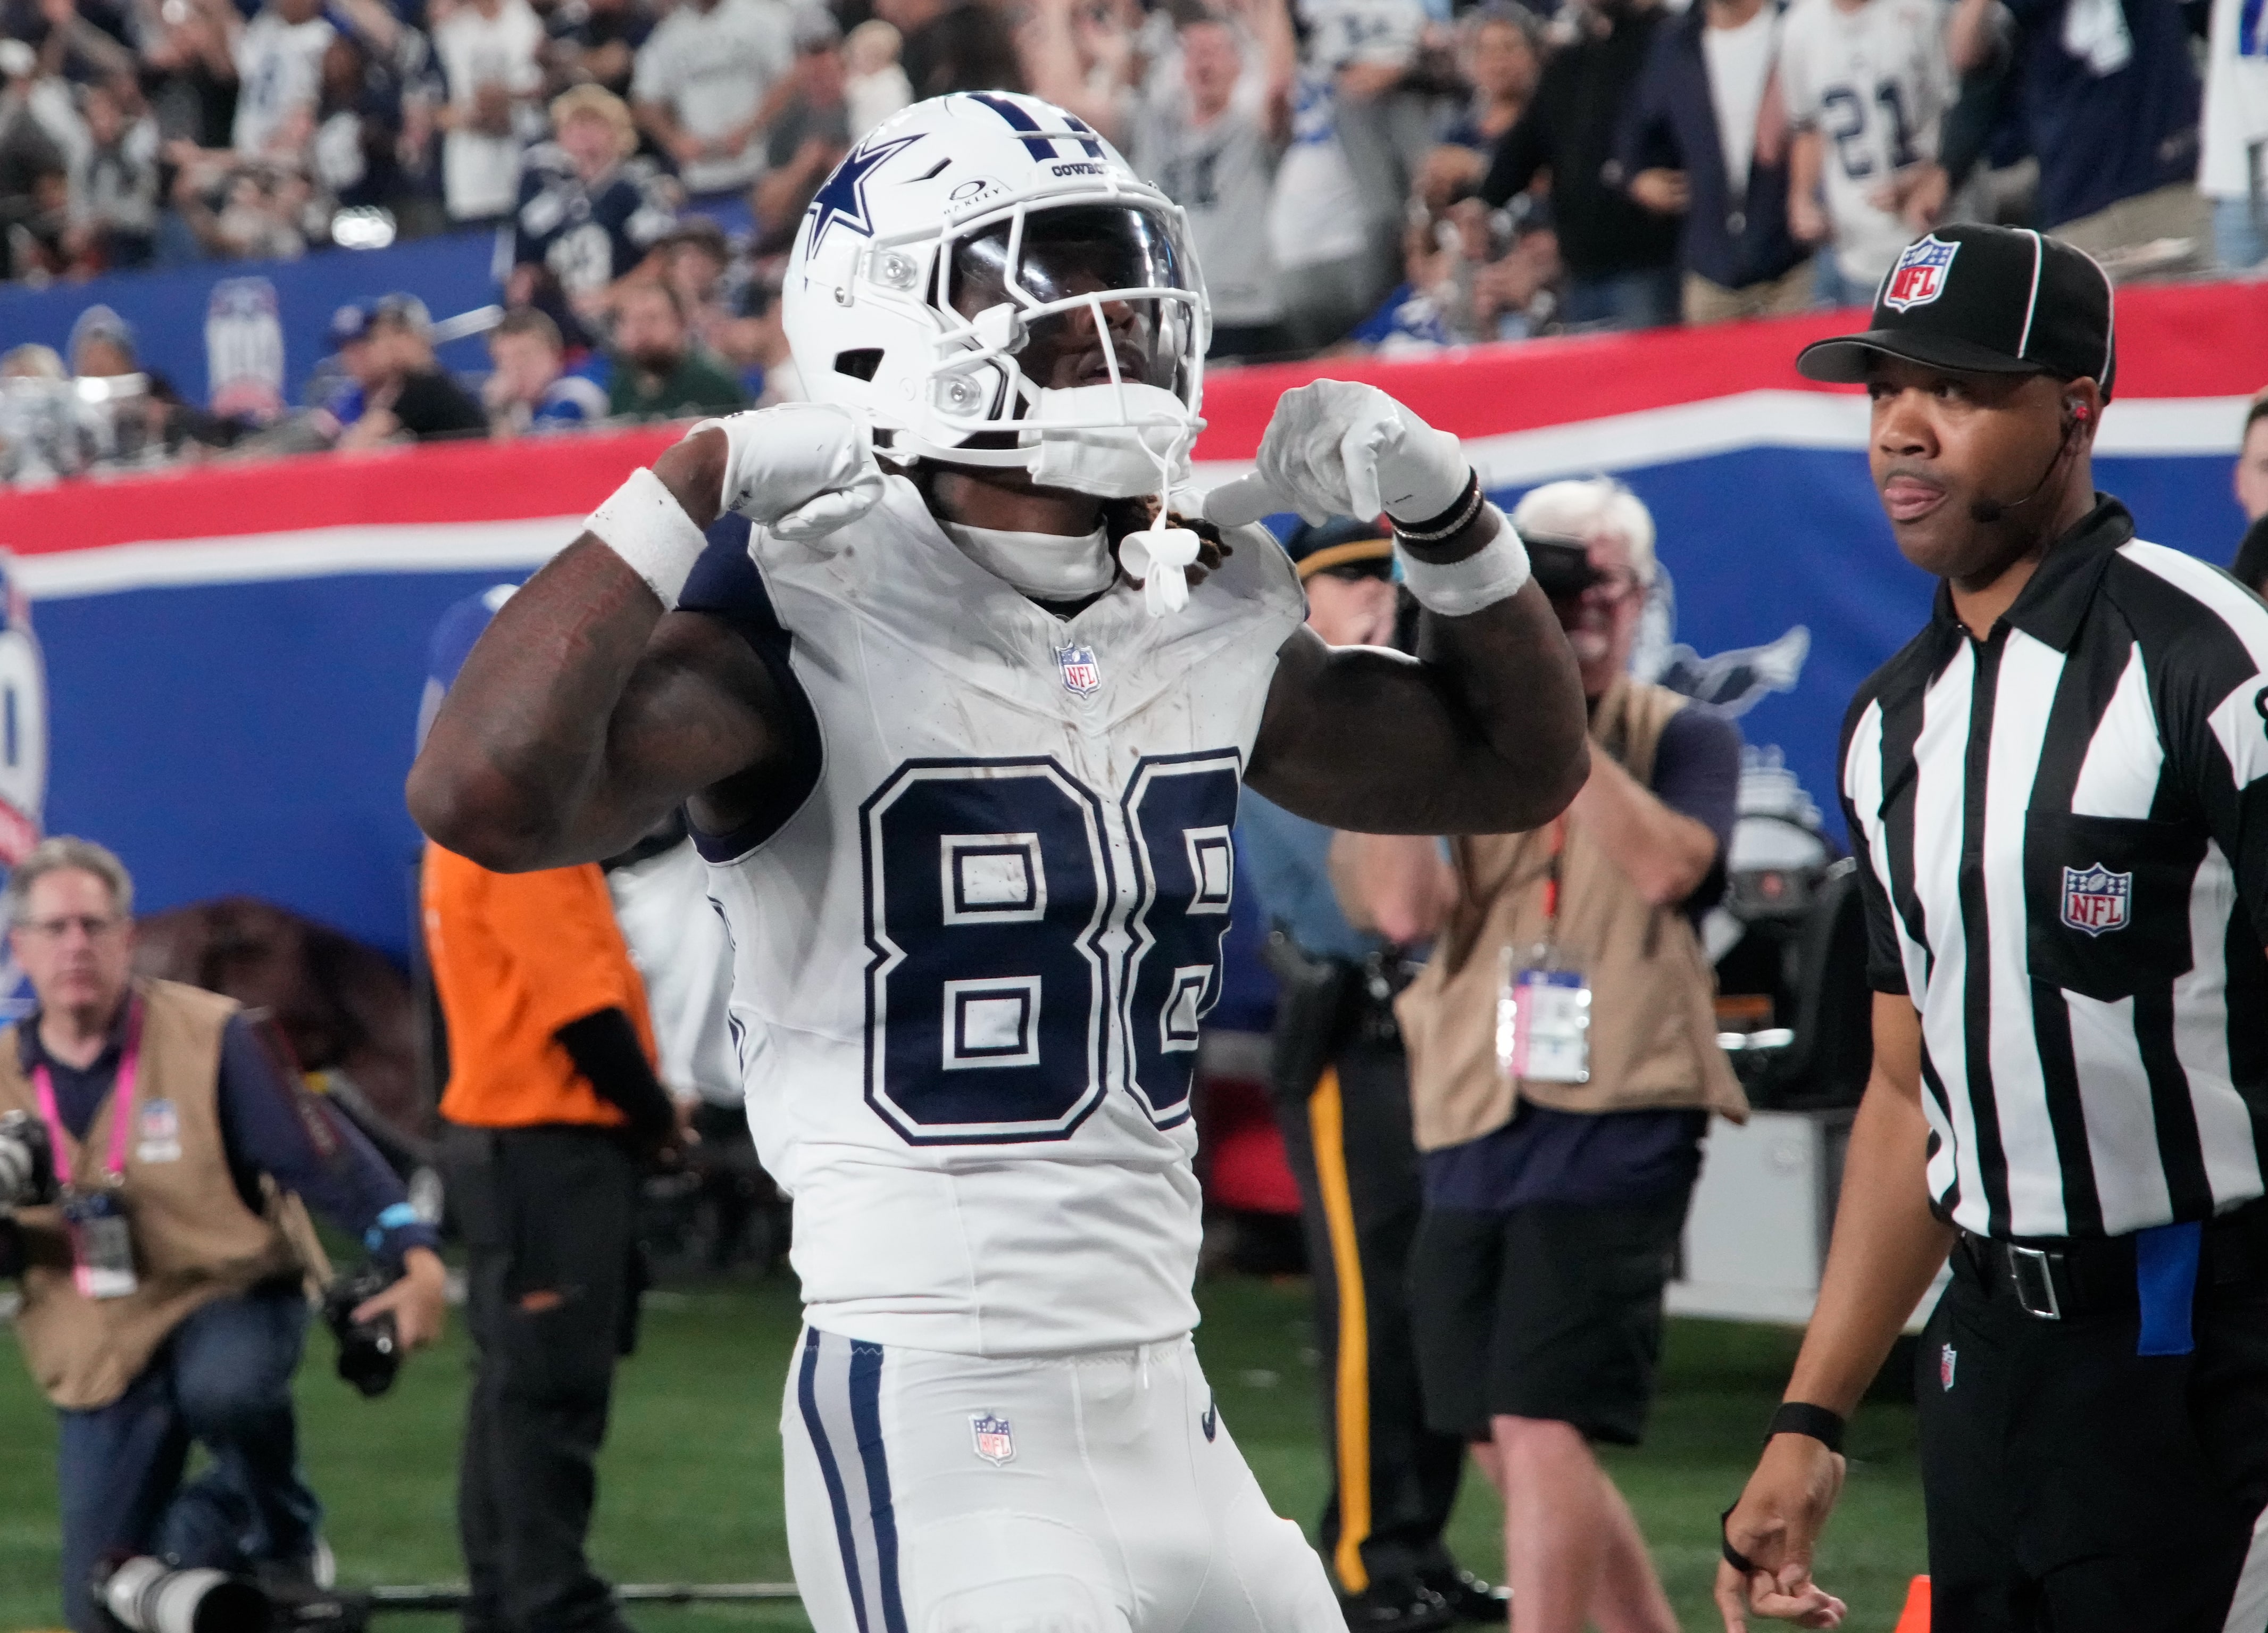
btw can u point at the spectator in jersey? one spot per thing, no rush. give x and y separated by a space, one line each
953 44
529 388
701 83
874 84
489 51
660 372
808 133
1867 90
595 42
1706 142
2230 171
1621 257
1499 53
113 182
357 147
1214 154
2110 106
278 57
589 213
406 396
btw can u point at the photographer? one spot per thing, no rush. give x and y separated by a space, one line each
162 1286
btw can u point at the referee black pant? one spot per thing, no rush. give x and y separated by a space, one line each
548 1215
1346 1135
2076 1487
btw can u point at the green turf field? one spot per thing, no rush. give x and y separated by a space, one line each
689 1483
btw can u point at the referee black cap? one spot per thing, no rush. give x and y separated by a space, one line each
1984 300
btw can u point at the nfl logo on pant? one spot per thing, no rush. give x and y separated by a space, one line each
2095 900
994 1442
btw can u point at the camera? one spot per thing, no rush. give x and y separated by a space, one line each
27 1162
146 1595
370 1352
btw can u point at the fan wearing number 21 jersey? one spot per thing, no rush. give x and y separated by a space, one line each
959 684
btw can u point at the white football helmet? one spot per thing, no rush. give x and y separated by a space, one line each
987 281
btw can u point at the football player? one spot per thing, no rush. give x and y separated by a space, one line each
960 711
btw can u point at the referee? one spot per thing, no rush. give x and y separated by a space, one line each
2055 795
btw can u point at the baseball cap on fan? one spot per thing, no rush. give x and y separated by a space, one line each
1982 300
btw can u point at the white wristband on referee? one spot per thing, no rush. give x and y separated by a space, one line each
642 523
1459 589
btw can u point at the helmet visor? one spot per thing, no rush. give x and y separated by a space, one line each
1105 292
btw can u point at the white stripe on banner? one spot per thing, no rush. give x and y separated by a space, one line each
1756 419
314 553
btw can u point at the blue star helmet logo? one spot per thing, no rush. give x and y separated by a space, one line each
844 197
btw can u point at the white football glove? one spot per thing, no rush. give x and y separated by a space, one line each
1336 448
800 470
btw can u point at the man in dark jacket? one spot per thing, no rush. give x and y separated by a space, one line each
1622 258
1706 139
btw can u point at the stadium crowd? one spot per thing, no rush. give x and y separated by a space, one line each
1388 174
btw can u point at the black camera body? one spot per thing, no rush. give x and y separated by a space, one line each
370 1352
27 1162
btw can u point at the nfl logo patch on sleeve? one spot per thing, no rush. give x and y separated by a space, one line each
1081 674
1919 276
2095 900
995 1444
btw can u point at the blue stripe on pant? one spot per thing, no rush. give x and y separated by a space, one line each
839 1391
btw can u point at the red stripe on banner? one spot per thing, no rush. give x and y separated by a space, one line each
2194 341
2189 340
465 482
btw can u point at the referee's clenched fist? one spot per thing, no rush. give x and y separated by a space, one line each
2057 799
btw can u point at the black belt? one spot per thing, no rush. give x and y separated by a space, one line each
2071 1278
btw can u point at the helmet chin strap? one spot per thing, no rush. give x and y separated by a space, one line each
1160 556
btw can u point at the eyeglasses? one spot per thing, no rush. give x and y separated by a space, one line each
1613 584
56 928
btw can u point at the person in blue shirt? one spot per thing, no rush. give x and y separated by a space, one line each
1342 1092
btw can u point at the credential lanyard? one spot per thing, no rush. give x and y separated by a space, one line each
1551 880
121 1102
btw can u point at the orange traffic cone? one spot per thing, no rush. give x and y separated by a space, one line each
1915 1617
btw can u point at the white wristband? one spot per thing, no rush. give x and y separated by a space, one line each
1459 589
642 523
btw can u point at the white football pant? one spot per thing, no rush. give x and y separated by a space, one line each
1089 1493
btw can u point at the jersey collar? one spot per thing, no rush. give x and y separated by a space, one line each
2053 603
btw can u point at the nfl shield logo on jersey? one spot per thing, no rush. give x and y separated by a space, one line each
1080 672
1919 276
2095 898
994 1442
1945 1357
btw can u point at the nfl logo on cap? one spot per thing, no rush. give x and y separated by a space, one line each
994 1442
1919 276
1081 674
2095 898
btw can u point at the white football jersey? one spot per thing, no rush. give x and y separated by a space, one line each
970 960
1874 83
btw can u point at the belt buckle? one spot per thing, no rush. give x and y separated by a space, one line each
2031 1271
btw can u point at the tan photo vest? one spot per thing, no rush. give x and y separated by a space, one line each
193 1238
1653 1022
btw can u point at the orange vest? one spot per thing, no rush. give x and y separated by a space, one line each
515 957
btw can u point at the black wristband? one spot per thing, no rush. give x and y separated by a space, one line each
1430 536
1800 1417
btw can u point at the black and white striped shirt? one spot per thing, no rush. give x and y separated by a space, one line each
2063 835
